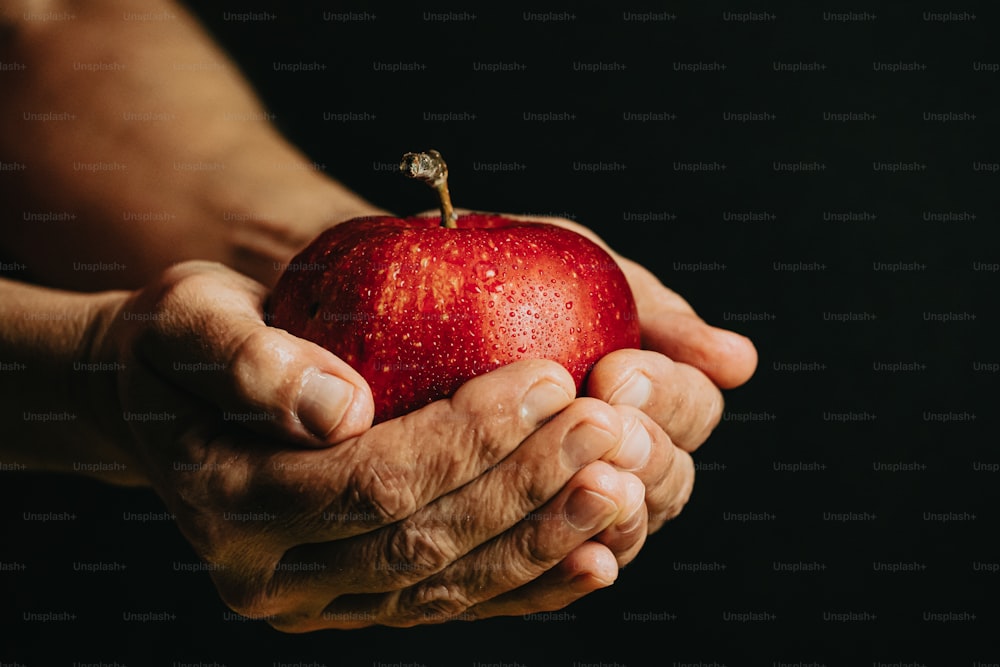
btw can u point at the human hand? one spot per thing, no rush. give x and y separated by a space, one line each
675 380
259 443
673 383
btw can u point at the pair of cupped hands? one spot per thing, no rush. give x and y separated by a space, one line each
513 496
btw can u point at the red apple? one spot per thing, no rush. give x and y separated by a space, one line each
418 308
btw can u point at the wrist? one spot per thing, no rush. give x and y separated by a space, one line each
271 214
109 453
50 413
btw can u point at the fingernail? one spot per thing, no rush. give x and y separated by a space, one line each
543 400
635 391
586 510
323 402
636 448
584 444
636 501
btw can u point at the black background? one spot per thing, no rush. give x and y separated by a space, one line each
923 491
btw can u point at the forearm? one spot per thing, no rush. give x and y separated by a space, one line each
143 146
48 380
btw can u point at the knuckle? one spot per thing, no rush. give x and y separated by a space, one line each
533 553
203 488
249 600
537 556
594 411
614 367
418 550
480 406
261 352
488 394
434 604
254 592
524 488
167 307
382 493
183 282
526 565
261 347
462 439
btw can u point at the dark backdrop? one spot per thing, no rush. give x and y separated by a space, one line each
820 180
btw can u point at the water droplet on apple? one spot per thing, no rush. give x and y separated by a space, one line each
474 288
485 270
569 305
522 349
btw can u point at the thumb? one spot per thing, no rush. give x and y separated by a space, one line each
672 327
206 334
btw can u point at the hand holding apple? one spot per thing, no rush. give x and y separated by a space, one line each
418 306
674 380
390 331
599 514
400 524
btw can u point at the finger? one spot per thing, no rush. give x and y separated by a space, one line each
199 466
669 325
399 466
680 398
626 535
431 539
203 330
582 509
665 471
588 568
246 491
676 491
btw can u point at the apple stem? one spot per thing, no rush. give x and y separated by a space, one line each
430 168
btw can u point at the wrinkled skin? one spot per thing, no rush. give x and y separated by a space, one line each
478 505
458 510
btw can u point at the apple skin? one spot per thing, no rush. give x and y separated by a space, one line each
418 309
